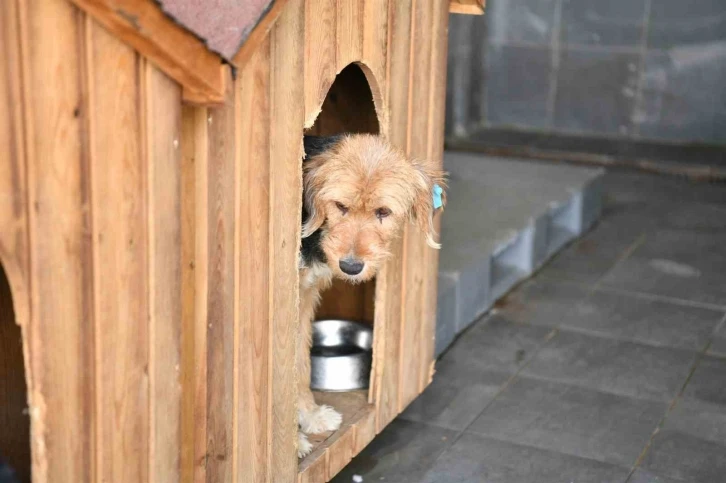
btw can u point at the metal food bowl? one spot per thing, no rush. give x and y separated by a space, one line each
341 355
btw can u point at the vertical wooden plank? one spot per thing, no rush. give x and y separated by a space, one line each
349 32
285 196
437 101
61 298
221 290
189 272
341 452
120 240
389 283
201 276
375 37
162 129
416 250
320 50
365 431
254 219
15 424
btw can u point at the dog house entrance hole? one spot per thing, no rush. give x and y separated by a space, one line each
14 419
348 108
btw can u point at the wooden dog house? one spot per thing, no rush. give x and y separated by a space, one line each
150 200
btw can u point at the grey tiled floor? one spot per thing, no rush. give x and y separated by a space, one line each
608 366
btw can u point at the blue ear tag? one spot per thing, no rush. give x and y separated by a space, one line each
438 190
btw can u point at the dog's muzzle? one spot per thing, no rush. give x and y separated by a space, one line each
351 266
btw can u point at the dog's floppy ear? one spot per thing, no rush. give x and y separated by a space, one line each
429 197
313 209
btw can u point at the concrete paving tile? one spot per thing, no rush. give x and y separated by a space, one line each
700 419
402 453
686 457
456 396
476 459
642 319
644 476
540 301
592 256
618 367
682 264
708 382
497 345
571 420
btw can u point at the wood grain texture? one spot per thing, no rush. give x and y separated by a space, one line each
221 231
389 286
416 250
162 130
15 435
178 53
253 344
62 362
285 195
468 7
15 438
435 153
349 32
375 43
320 52
189 289
120 257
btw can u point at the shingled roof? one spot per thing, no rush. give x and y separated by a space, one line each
224 25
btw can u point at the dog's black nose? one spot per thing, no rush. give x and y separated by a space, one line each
351 267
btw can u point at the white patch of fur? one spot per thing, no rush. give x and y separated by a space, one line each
321 419
304 447
316 273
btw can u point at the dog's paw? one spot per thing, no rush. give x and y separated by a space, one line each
304 447
322 418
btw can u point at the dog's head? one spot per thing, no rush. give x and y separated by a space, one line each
359 192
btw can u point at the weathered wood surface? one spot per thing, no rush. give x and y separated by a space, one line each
178 53
469 7
155 277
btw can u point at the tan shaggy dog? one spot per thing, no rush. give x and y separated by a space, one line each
359 191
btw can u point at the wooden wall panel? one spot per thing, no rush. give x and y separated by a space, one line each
389 283
15 437
435 152
221 233
349 32
188 369
320 54
286 120
61 325
375 46
254 336
120 251
162 131
415 248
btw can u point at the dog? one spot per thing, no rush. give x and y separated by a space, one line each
358 192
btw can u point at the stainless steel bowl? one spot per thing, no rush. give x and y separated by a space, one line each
341 355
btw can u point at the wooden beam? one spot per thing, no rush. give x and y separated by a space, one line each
469 7
177 52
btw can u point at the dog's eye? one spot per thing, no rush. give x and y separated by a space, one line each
381 213
343 209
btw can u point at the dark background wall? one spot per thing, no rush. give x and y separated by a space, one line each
625 69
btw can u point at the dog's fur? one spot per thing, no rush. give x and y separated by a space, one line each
358 193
